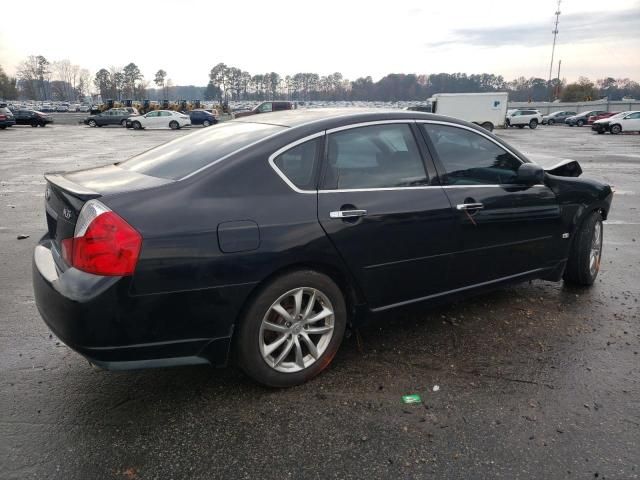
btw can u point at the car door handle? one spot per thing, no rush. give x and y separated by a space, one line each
347 213
469 206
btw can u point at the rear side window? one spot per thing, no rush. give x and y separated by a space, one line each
469 158
379 156
299 164
185 155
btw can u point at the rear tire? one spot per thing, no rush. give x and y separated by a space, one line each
293 361
173 125
583 264
580 123
533 124
487 126
551 121
124 123
92 123
615 129
206 123
137 125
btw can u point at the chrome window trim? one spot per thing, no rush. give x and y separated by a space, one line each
425 187
286 148
464 127
408 121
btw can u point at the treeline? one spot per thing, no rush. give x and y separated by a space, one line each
231 83
39 79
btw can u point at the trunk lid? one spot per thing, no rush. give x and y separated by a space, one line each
66 193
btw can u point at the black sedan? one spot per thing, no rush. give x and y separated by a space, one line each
265 237
114 116
33 118
202 117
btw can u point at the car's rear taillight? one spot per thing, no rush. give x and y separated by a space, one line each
3 117
103 243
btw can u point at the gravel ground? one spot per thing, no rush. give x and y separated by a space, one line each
536 381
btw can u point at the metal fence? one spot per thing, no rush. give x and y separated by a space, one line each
548 107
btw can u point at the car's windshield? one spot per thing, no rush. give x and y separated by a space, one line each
183 156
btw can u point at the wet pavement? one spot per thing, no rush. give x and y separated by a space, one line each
536 380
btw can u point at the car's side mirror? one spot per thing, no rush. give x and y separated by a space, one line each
530 174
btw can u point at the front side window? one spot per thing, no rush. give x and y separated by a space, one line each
265 107
299 164
633 116
468 158
378 156
152 114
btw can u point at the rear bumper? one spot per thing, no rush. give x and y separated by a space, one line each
97 317
7 123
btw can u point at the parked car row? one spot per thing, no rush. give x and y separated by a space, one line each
130 117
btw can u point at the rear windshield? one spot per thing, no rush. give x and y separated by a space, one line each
185 155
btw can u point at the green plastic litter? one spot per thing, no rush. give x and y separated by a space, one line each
415 398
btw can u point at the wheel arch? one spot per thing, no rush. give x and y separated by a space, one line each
353 297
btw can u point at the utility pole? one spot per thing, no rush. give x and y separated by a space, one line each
553 48
557 89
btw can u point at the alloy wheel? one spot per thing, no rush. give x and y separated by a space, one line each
596 249
296 330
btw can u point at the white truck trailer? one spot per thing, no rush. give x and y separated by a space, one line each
485 109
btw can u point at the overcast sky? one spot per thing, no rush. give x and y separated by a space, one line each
357 38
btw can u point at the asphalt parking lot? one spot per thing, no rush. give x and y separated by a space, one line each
535 381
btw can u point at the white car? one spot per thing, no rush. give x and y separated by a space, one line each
159 119
621 122
523 117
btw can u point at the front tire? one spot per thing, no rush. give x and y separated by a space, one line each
583 264
137 125
206 123
550 122
615 129
533 124
580 123
487 126
92 123
292 329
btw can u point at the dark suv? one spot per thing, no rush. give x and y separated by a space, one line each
6 117
32 117
266 107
